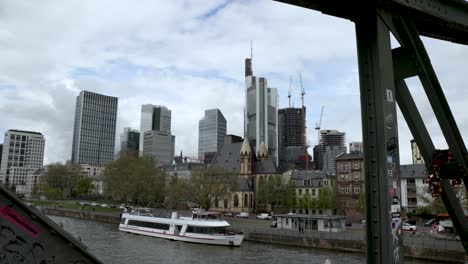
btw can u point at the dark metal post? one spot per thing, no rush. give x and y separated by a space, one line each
383 220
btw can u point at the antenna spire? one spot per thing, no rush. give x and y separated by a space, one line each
251 49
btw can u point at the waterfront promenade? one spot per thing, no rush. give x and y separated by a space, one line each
418 246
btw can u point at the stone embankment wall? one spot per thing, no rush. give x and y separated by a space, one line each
411 251
81 214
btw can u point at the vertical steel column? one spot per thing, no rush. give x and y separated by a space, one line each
378 111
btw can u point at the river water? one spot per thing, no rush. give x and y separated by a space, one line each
111 246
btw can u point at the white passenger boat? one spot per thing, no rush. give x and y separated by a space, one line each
202 227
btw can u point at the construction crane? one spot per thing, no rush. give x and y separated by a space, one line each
317 126
304 141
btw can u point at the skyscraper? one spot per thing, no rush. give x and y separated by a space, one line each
130 140
154 117
290 137
211 132
94 131
23 152
261 112
332 143
159 145
416 153
1 153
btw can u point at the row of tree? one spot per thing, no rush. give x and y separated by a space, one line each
134 179
63 181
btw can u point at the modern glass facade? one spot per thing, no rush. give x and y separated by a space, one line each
211 132
130 140
154 117
94 130
261 113
159 145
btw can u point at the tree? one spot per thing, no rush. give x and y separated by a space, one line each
84 186
60 181
326 199
361 203
289 198
175 193
206 186
273 192
134 179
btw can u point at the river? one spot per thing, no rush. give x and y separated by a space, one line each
111 246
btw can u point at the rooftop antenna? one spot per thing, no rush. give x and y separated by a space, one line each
251 49
289 93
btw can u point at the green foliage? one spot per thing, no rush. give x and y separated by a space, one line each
361 204
326 199
274 192
85 186
60 178
175 193
424 212
52 193
206 186
134 179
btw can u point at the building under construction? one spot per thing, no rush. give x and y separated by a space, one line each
291 138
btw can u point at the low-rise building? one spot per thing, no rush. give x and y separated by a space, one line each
306 222
96 173
350 183
413 186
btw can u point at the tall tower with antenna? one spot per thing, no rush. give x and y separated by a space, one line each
261 107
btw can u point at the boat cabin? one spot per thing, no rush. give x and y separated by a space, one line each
303 222
206 216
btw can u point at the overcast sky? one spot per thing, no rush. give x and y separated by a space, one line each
189 56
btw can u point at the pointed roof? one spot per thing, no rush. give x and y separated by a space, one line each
263 151
246 149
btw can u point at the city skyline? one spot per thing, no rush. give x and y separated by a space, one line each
150 64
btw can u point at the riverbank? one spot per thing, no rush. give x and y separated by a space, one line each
417 247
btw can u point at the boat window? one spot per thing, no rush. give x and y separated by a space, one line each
148 224
212 217
206 230
122 221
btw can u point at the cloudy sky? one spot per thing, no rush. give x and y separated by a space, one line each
189 55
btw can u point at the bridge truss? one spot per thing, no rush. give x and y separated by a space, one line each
382 74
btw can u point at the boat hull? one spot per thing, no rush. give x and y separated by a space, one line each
221 240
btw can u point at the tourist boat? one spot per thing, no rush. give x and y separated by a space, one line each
202 227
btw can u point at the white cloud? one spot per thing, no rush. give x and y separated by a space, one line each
190 57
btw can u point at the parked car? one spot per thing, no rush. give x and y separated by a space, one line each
348 222
104 205
264 216
411 222
242 215
229 214
430 222
93 204
409 227
122 206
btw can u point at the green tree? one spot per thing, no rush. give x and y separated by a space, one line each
176 193
326 198
361 203
273 192
84 186
206 186
60 181
134 179
290 199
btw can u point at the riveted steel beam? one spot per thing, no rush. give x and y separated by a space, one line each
28 236
380 136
